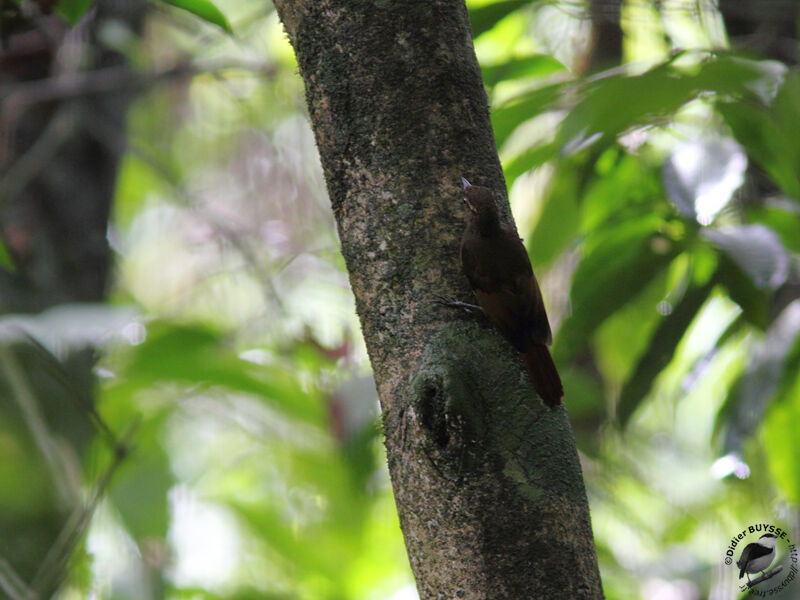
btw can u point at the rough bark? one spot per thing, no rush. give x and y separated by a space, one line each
487 479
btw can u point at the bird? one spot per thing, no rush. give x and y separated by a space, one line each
497 266
757 556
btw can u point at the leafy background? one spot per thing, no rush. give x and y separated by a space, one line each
233 441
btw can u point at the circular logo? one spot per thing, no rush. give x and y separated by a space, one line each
765 559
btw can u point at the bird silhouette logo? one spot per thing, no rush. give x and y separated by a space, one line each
757 556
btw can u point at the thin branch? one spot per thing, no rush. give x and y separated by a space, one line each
51 572
764 577
18 97
12 584
56 460
28 166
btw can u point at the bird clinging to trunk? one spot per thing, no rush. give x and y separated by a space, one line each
499 271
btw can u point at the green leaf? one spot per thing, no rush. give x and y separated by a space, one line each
587 407
657 92
782 216
598 115
509 116
767 132
787 106
204 9
533 157
768 142
753 301
6 261
558 221
619 263
756 250
623 187
483 18
137 180
139 490
308 552
198 355
779 434
73 10
753 263
662 347
765 378
537 65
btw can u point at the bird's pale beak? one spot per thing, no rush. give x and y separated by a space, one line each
467 185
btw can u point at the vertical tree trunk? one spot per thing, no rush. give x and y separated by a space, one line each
487 479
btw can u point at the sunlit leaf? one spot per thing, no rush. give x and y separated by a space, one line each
483 18
622 188
206 10
537 65
509 116
199 355
657 92
620 263
783 217
765 141
756 249
701 175
779 435
529 159
662 347
139 490
749 397
767 132
136 181
558 220
310 556
68 326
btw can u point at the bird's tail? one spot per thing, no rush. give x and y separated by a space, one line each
544 375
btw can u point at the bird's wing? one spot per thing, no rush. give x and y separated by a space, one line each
471 264
538 325
750 553
508 294
518 310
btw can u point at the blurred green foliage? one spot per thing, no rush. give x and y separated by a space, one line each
235 416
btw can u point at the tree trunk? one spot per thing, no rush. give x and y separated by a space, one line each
487 479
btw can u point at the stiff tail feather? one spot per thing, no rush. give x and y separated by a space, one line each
544 375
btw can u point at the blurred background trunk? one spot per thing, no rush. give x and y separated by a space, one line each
62 133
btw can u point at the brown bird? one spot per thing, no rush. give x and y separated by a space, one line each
499 271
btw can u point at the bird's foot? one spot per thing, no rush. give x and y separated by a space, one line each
453 303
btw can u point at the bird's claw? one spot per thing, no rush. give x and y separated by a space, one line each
453 303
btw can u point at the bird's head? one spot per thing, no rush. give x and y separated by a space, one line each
478 199
768 540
